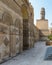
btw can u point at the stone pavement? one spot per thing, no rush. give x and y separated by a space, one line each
34 56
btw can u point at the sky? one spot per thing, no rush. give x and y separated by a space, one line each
37 5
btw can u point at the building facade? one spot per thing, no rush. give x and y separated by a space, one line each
16 27
50 31
42 25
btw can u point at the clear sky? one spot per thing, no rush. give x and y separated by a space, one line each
38 4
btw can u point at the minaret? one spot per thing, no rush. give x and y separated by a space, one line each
42 13
42 25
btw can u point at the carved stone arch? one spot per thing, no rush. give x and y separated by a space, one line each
24 10
7 18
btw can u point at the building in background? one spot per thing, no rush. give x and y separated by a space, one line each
42 25
50 31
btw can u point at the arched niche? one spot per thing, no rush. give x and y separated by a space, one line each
24 12
7 18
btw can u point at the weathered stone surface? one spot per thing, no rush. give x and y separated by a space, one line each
16 27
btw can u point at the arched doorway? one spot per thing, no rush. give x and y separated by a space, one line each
25 27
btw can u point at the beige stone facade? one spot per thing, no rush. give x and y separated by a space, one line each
16 27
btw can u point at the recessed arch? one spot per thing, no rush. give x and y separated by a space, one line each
7 18
25 16
24 12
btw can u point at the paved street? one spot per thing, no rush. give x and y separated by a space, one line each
34 56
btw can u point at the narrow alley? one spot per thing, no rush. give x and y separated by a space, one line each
34 56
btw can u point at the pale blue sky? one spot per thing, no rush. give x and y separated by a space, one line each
38 4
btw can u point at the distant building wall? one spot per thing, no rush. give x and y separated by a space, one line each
42 25
50 31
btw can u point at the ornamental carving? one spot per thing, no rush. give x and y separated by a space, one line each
7 18
6 41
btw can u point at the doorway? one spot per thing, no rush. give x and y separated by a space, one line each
25 27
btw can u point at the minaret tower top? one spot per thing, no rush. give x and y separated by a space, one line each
42 13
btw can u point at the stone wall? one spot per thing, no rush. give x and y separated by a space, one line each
16 27
10 27
36 34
